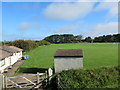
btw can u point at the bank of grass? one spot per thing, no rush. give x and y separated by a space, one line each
95 55
105 77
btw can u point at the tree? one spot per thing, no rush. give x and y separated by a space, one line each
64 38
108 38
88 39
78 38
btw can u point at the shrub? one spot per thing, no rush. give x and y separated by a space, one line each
26 45
43 42
96 78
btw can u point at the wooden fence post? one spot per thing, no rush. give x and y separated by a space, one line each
46 77
58 80
50 73
5 82
38 78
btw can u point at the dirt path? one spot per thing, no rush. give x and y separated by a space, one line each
14 68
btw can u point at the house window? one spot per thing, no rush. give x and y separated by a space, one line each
2 62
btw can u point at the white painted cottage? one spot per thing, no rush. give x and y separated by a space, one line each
66 59
9 55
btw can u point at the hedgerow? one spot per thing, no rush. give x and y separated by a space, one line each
95 78
27 45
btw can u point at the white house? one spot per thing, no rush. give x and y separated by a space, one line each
66 59
5 59
9 55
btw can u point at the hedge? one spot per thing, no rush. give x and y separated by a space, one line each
95 78
27 45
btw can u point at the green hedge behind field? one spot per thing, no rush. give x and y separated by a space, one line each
28 45
96 78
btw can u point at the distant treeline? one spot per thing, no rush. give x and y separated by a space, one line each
70 38
65 38
27 45
107 38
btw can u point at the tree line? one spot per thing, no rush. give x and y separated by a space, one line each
65 38
70 38
27 45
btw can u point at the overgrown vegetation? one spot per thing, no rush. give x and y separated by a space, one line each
27 45
43 42
93 78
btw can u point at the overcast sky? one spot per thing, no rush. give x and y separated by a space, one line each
36 20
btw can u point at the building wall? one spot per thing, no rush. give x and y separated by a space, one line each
10 60
66 63
16 57
7 63
19 54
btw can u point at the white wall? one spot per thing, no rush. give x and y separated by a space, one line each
10 60
13 58
65 63
7 63
16 57
19 54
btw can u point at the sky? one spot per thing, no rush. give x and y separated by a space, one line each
36 20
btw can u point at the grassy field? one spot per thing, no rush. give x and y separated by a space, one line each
95 55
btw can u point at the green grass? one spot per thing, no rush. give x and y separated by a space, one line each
95 55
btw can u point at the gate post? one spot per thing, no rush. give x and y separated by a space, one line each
50 73
38 77
2 84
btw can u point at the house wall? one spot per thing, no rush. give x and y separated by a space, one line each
7 63
65 63
10 61
16 57
19 54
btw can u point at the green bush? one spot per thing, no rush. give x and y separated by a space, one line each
43 42
96 78
26 45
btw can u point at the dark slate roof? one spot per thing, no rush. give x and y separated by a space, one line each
69 53
10 49
4 54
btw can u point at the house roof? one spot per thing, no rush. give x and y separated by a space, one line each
4 54
11 49
69 53
16 48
